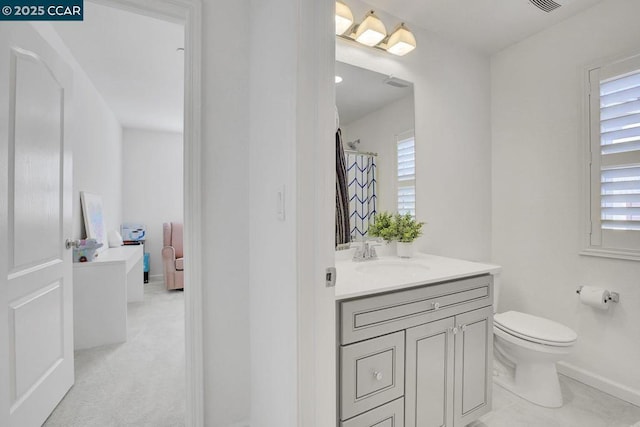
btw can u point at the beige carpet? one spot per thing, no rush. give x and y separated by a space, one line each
138 383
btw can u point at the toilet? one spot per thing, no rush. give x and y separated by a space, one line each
526 349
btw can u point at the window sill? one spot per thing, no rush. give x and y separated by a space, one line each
612 253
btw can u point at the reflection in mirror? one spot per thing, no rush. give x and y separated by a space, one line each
376 120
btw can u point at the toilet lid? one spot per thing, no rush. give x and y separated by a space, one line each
536 329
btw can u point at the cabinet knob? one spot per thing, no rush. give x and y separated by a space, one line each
453 330
378 375
463 328
435 305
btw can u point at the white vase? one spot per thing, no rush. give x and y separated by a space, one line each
405 249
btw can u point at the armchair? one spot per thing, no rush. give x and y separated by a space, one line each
173 255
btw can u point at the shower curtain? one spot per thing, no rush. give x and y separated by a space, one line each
342 195
361 175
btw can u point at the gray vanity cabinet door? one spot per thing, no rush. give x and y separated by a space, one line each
372 373
474 360
429 374
389 415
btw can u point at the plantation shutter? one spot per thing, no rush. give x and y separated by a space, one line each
407 175
615 139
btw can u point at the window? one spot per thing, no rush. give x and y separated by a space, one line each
407 173
614 172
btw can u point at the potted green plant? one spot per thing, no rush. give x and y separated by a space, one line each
403 229
383 227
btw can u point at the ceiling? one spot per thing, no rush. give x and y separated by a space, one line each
363 91
133 60
485 25
133 63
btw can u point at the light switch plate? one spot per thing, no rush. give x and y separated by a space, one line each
280 200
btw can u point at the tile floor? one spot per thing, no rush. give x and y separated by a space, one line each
584 406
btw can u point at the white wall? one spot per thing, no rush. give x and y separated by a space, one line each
251 276
272 248
378 133
96 140
152 185
537 189
97 155
225 136
291 117
453 137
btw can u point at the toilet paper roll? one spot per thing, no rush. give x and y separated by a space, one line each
595 297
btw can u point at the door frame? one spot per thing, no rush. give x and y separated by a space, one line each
187 13
315 169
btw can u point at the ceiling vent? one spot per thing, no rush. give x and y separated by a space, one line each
396 82
546 5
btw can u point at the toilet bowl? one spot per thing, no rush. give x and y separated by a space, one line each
526 351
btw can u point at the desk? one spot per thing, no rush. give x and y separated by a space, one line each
101 291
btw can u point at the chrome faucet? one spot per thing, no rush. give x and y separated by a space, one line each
366 252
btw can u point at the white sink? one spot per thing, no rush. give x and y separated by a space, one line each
397 269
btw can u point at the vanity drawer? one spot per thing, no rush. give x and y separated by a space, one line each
372 373
377 315
389 415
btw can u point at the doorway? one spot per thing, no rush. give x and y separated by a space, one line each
182 12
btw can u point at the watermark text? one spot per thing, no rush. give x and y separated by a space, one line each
41 10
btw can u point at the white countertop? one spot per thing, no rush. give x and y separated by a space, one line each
129 254
389 273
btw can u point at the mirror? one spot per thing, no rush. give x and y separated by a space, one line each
376 116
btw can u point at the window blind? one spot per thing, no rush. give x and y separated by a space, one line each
407 176
620 152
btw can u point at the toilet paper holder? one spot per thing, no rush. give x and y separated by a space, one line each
613 296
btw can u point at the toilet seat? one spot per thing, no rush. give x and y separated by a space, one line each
535 329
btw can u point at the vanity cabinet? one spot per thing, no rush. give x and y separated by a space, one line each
448 372
372 373
417 358
389 415
430 353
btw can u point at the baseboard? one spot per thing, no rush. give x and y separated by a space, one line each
240 424
601 383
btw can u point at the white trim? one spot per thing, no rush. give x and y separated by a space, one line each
315 213
611 253
601 383
188 13
585 154
592 239
409 133
193 217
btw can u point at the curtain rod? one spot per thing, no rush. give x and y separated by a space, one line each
364 153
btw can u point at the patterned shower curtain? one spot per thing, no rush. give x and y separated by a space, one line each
361 173
342 195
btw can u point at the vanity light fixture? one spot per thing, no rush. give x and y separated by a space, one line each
344 18
401 41
372 32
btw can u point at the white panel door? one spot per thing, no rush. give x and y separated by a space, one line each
36 293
